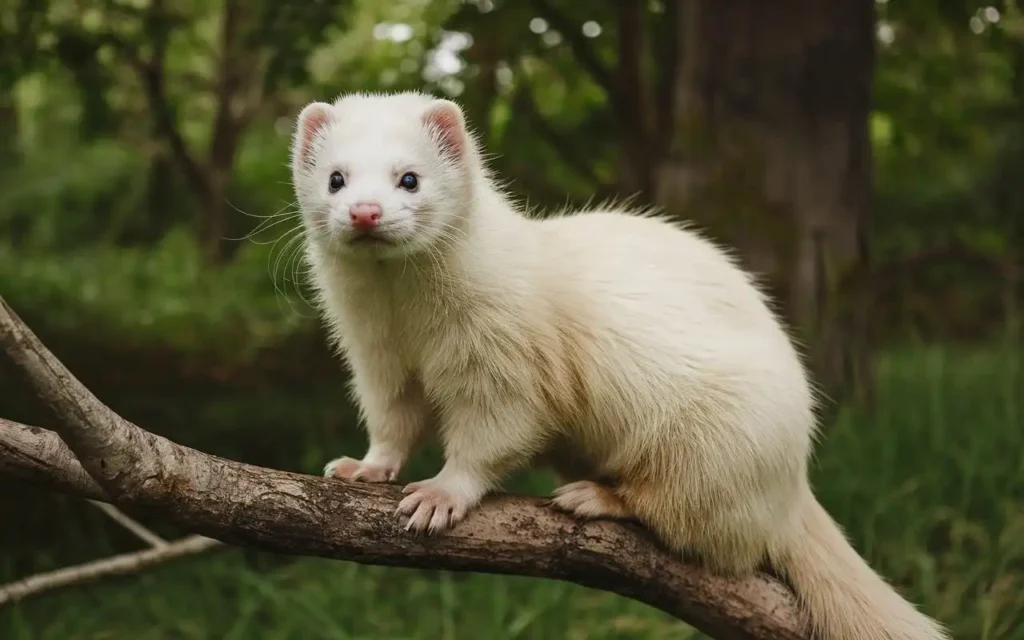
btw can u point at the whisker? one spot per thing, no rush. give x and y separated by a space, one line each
261 228
287 205
268 221
288 238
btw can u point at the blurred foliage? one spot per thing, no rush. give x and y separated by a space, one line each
159 295
93 172
109 109
949 120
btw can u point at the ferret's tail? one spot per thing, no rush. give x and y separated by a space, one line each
845 598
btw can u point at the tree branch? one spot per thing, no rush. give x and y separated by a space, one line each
151 71
118 565
140 532
152 74
306 515
42 458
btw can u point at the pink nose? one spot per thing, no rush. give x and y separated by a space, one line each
364 215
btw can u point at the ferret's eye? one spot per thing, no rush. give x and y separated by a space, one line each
337 182
409 182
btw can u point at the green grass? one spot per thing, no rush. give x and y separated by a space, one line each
930 488
221 597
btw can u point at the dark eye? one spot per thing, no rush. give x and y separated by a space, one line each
337 182
409 182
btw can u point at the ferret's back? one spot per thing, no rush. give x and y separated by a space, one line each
644 261
654 290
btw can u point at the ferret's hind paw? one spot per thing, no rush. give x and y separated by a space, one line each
359 471
432 507
591 500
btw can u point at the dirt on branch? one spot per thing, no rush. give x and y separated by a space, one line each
108 458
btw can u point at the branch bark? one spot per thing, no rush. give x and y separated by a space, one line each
41 457
108 458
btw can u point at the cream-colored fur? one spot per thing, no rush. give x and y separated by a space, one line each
629 353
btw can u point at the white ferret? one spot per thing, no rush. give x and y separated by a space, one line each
630 354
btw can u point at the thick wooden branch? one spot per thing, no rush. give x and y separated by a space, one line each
306 515
42 458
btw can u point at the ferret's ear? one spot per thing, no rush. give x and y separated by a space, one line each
444 120
312 120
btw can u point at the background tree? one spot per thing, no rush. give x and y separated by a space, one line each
751 120
741 117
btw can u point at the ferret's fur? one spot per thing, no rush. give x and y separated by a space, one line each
629 353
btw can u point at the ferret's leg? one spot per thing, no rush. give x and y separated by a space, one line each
395 412
591 500
481 444
577 493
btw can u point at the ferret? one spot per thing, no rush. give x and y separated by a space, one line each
627 352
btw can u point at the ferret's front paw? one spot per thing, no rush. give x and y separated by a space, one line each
357 470
432 506
588 499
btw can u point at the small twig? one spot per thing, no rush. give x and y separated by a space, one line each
122 519
118 565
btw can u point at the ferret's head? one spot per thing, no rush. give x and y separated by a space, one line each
383 175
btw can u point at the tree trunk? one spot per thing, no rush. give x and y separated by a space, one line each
632 100
10 154
770 152
226 131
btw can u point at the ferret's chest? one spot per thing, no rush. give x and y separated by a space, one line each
409 323
459 341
